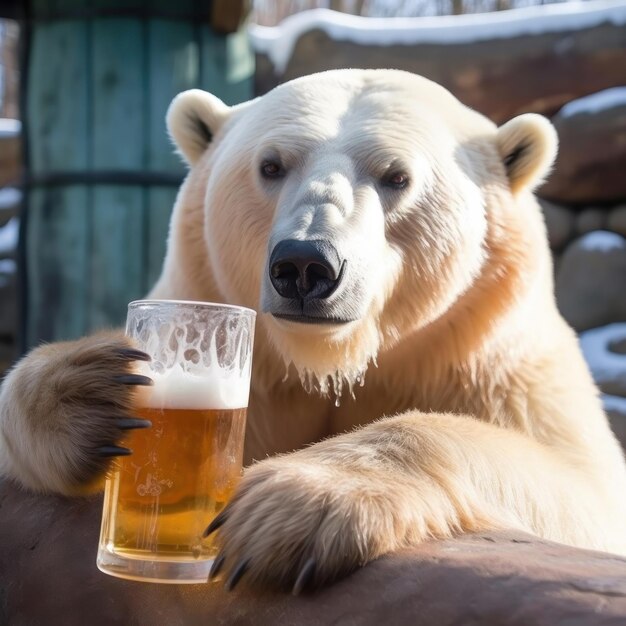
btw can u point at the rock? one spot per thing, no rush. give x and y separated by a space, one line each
8 282
618 345
601 349
556 263
559 222
7 356
605 352
536 69
8 299
8 238
10 152
589 285
615 408
47 565
617 220
10 204
591 219
592 151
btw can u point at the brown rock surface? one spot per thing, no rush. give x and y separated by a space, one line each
589 284
617 217
48 576
592 153
10 152
499 77
590 219
559 223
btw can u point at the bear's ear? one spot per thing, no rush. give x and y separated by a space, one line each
193 118
527 145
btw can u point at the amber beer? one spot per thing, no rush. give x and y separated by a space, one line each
180 475
185 468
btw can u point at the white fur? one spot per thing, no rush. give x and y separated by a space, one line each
187 112
494 418
538 142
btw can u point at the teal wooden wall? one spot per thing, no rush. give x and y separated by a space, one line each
97 91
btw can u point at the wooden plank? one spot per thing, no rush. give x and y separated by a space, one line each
126 5
98 93
57 121
173 67
117 254
57 223
118 87
43 7
160 202
58 250
227 68
180 7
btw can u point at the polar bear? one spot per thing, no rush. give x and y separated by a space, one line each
412 375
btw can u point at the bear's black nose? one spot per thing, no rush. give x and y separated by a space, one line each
305 269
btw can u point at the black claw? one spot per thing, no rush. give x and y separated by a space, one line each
134 379
218 521
131 354
107 451
304 577
216 568
237 574
128 423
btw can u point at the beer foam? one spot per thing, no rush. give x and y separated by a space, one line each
200 388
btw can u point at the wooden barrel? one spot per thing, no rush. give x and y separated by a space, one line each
101 172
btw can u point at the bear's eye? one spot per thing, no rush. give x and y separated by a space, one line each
272 169
396 180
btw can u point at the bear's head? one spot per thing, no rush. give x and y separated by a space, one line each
356 209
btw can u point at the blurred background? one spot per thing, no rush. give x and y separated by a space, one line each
88 177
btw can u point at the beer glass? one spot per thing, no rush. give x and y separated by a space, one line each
184 469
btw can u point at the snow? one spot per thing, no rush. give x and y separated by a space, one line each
608 368
602 241
8 266
8 269
9 127
279 41
8 237
614 405
10 197
606 99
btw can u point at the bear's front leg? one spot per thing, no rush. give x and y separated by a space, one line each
303 519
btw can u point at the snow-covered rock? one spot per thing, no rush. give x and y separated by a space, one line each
592 149
607 366
605 352
615 408
591 281
8 238
10 201
501 63
278 42
595 103
9 127
559 222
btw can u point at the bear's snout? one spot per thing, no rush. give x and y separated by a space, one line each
305 269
